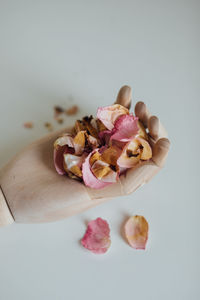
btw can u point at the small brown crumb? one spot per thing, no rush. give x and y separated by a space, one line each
48 126
60 121
72 110
28 125
58 109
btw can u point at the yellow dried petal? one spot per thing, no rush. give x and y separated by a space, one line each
100 169
76 171
142 131
80 138
79 126
101 126
111 155
96 156
136 231
146 151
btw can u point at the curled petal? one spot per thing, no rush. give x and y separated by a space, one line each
92 141
89 178
97 236
135 150
109 114
110 155
59 152
103 172
58 160
126 127
142 131
73 163
105 136
146 151
94 124
71 160
136 232
65 139
130 155
79 142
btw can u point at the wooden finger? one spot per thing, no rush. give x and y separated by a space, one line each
160 151
124 96
153 126
142 113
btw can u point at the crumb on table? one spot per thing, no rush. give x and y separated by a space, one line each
49 126
28 125
72 110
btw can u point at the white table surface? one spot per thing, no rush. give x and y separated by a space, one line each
82 52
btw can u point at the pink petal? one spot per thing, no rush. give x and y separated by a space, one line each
105 136
88 177
136 231
59 152
125 128
97 236
109 114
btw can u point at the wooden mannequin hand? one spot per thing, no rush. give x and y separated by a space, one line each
32 191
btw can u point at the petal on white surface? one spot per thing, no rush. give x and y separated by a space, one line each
97 236
136 231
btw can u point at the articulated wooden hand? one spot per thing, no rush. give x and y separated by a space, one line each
32 192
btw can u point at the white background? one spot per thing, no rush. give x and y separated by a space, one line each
65 52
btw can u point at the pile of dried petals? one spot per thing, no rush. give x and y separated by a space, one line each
100 149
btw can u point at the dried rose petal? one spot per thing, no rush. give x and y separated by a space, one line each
126 127
79 126
136 232
92 141
63 144
65 139
73 163
79 142
97 236
105 136
146 151
89 178
100 126
110 155
103 172
58 160
133 152
142 131
87 122
109 114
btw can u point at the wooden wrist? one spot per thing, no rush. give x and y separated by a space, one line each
5 214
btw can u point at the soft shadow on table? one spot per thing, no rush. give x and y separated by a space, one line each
125 217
